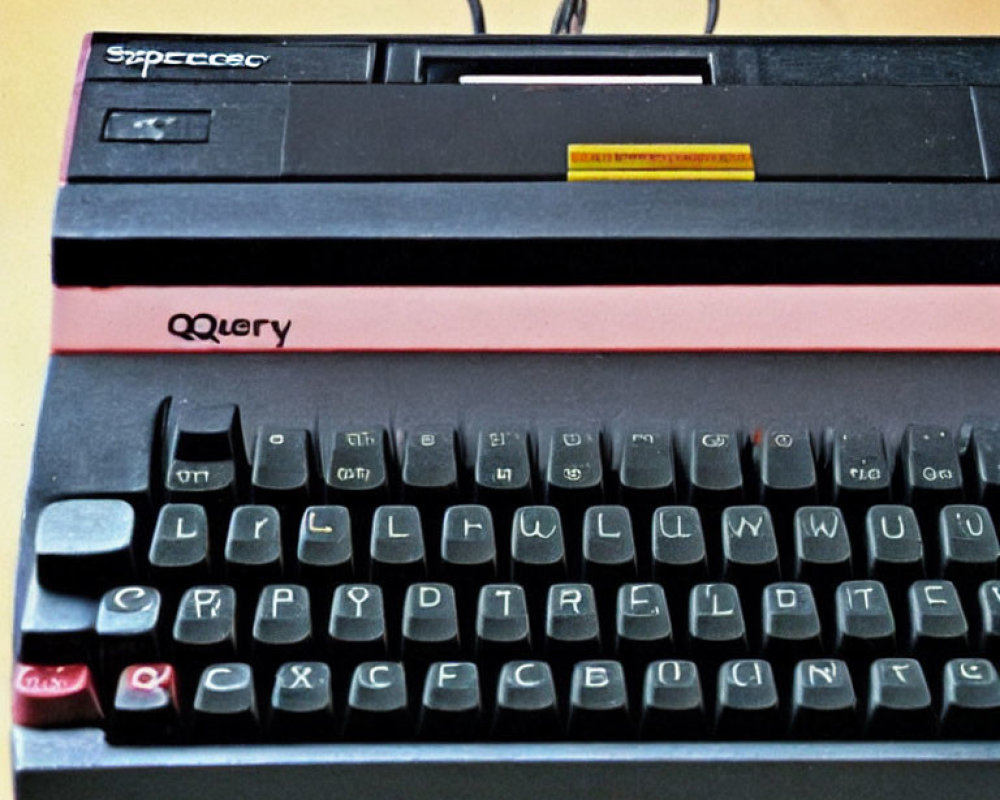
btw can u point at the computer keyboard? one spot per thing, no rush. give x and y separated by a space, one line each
381 457
606 593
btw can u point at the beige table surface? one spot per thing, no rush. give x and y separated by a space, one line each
39 41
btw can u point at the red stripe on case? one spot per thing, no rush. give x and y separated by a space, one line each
550 318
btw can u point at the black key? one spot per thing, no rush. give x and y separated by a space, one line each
866 627
572 628
205 625
970 699
646 470
377 706
747 700
715 472
791 628
822 547
302 703
503 468
56 628
84 546
642 623
989 615
537 552
526 707
679 556
280 475
397 545
503 632
930 470
861 471
205 457
253 544
984 454
225 704
145 707
468 545
598 702
325 551
357 629
212 484
608 546
787 469
430 623
824 705
715 621
430 467
672 703
899 701
179 553
357 473
574 474
208 433
282 624
895 547
128 626
451 702
969 548
938 628
749 548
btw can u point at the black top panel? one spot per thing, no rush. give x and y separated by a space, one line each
346 160
377 109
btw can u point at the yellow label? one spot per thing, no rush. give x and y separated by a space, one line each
660 175
660 161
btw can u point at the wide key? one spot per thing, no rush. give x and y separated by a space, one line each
84 546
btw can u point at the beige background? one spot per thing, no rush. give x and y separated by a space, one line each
39 40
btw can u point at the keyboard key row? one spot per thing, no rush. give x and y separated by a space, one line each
665 699
91 544
565 622
780 466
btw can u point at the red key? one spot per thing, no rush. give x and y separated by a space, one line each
145 708
146 687
48 696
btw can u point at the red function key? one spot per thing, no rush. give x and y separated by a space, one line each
145 707
49 696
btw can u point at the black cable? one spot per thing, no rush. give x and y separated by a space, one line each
478 19
571 15
713 16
